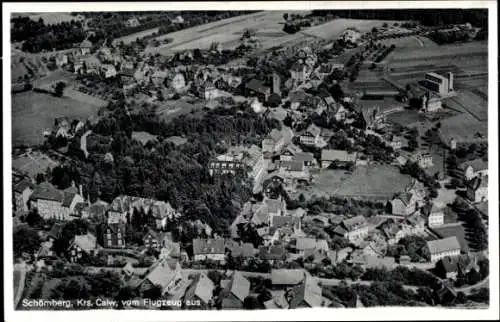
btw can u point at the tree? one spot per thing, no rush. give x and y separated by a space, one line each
26 240
285 16
59 89
251 303
374 30
33 218
473 277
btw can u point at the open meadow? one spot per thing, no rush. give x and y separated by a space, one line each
34 112
372 181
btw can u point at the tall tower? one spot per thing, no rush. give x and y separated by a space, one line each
276 84
450 82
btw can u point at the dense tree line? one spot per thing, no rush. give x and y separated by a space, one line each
401 274
38 36
428 17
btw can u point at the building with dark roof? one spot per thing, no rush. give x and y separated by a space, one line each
257 88
212 249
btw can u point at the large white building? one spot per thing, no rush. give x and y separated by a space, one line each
445 247
438 83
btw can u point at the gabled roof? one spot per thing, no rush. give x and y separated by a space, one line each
309 292
284 221
68 199
23 185
87 242
257 86
476 164
202 287
273 252
477 183
208 246
443 245
55 231
340 155
46 191
287 276
354 223
162 273
314 130
239 286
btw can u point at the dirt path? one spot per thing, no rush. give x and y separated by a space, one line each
18 292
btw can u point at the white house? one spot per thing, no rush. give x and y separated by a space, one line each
474 168
436 216
445 247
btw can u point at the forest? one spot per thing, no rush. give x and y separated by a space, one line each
166 172
428 17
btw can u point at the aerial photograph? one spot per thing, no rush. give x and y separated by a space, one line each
249 160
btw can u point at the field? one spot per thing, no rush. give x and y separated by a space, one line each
132 37
33 163
463 128
471 103
333 29
372 181
34 112
406 118
269 32
228 32
23 64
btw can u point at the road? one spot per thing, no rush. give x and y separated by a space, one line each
20 269
83 143
468 289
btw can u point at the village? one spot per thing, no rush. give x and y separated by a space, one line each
343 195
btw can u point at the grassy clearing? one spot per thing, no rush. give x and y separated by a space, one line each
372 181
34 112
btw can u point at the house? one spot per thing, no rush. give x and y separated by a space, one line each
451 267
304 244
132 22
22 192
350 35
212 249
404 204
445 247
114 235
277 139
178 82
477 189
53 203
82 247
61 60
287 277
166 274
252 158
397 142
108 70
279 222
169 248
337 156
257 88
153 240
474 168
436 216
55 231
307 294
273 253
424 160
338 256
235 292
312 137
200 290
158 77
85 47
431 103
245 250
354 229
277 302
299 72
